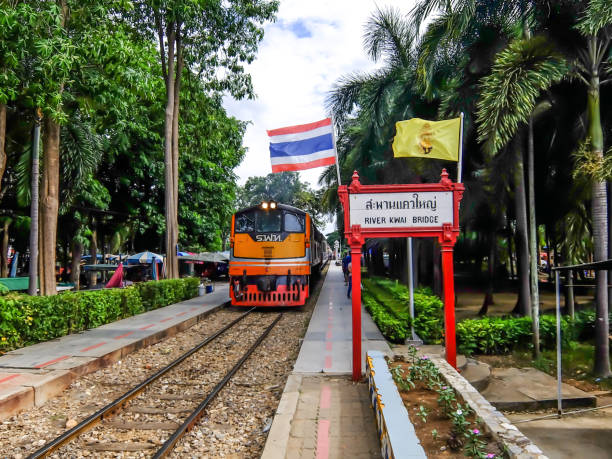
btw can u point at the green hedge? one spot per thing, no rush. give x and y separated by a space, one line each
390 302
28 319
162 293
501 335
394 299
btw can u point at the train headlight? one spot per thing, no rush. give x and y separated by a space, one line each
272 205
264 205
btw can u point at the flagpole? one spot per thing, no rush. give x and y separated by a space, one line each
459 164
335 149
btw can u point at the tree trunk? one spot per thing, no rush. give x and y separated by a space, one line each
2 143
34 207
75 270
93 250
5 241
600 237
488 299
171 233
510 260
49 205
437 268
533 246
523 305
175 143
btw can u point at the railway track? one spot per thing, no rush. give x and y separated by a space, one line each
169 397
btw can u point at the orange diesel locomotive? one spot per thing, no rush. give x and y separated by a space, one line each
275 249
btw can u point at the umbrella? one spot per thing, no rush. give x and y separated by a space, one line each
145 257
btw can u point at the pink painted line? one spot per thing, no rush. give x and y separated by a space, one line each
166 319
194 309
40 365
325 401
328 346
323 439
328 336
181 314
8 378
328 362
330 326
146 326
93 347
124 335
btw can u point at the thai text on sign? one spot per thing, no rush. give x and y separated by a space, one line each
401 210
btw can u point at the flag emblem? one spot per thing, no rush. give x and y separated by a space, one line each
304 146
427 139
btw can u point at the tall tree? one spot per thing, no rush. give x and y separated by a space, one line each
206 36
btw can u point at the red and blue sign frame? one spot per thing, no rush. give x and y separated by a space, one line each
446 234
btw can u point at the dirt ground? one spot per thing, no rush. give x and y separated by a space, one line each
469 302
587 435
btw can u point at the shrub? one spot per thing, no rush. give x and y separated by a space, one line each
428 308
392 328
164 292
501 335
28 319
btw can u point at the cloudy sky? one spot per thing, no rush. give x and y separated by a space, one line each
311 45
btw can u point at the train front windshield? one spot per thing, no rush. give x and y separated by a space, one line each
269 221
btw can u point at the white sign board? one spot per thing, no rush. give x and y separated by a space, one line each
401 210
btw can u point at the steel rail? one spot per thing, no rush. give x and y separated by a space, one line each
195 416
116 405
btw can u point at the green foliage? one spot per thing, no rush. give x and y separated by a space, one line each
285 188
508 96
395 330
428 308
4 290
28 319
164 292
501 335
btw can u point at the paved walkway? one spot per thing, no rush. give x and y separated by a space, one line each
31 375
322 413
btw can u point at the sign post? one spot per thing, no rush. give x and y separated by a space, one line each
416 210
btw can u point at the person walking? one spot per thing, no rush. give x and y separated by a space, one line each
345 261
350 278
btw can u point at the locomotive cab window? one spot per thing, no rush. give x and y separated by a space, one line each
268 222
258 221
294 223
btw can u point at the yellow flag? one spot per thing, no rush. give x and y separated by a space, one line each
419 138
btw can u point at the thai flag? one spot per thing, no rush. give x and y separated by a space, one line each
305 146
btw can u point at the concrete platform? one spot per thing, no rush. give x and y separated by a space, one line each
31 375
521 389
327 346
322 413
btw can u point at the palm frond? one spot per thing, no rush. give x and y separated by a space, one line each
596 17
23 170
508 96
345 94
388 35
82 149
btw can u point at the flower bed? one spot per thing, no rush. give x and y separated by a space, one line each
445 425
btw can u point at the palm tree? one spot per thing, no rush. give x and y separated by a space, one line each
459 22
529 67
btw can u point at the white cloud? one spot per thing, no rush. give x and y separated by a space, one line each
310 46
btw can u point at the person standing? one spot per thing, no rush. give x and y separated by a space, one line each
345 261
350 278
